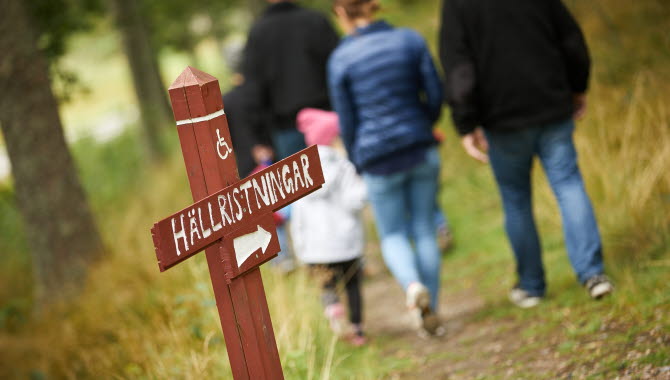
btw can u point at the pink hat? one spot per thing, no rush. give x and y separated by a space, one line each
319 127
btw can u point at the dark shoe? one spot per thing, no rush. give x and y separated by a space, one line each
599 286
522 298
431 325
445 239
424 320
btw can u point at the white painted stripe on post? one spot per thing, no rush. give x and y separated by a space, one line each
202 118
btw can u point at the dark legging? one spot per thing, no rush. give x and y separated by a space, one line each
334 276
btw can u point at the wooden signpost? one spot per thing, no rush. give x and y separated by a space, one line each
231 220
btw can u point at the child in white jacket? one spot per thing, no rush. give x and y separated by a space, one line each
326 225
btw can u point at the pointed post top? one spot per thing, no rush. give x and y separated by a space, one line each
194 94
191 76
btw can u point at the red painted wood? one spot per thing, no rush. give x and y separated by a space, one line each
265 221
166 249
254 350
204 99
215 184
226 209
261 314
199 189
224 304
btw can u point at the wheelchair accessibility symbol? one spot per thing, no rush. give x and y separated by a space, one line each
222 147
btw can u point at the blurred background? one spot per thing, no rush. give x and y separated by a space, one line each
103 310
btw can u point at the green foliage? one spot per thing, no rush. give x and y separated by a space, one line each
13 239
324 6
181 25
108 171
55 21
615 29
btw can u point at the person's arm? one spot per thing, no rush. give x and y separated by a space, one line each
343 104
573 46
461 82
430 81
575 54
460 79
350 188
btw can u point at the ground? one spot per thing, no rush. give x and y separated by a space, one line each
477 347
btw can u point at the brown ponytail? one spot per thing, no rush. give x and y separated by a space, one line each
358 8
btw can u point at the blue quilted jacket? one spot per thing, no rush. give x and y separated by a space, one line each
386 91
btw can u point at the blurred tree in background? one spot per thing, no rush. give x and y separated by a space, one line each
54 22
61 231
181 26
149 89
147 27
59 228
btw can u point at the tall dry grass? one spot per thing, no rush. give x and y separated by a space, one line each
134 322
624 140
625 150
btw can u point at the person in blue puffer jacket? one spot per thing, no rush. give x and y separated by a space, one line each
386 91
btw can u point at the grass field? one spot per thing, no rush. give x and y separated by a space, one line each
134 322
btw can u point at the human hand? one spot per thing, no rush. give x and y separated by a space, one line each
262 153
579 101
475 145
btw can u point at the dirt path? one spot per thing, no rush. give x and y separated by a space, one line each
473 348
468 350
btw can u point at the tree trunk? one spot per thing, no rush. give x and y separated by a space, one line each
150 91
61 232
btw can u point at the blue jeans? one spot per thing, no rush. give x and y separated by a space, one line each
511 154
409 197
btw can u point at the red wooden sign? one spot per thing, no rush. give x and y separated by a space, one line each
232 220
189 231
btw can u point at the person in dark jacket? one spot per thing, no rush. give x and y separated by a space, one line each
387 94
285 68
519 69
243 135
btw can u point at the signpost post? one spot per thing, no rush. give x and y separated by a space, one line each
231 220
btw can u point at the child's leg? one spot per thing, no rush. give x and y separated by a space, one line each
351 277
352 281
328 282
333 308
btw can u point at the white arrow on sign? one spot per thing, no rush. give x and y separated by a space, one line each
247 244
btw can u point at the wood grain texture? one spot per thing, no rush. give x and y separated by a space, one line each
251 206
225 209
199 189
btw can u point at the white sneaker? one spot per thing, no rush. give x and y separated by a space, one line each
423 319
522 298
599 286
418 296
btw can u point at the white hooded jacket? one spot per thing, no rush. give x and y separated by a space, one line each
326 226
